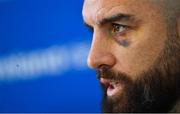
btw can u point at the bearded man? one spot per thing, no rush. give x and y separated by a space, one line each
136 52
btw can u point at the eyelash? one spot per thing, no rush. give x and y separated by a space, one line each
113 29
116 29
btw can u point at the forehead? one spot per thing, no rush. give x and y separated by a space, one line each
95 10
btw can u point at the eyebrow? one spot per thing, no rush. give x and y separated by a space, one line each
113 18
117 17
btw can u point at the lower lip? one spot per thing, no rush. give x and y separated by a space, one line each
114 90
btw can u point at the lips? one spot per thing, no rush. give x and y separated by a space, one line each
112 87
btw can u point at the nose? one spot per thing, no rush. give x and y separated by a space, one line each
100 52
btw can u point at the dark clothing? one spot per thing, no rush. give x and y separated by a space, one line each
176 108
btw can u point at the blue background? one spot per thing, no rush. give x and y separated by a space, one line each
31 28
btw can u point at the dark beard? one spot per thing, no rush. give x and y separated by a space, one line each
153 91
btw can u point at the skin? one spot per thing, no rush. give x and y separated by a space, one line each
136 44
134 47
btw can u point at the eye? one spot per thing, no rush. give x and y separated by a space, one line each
119 33
118 28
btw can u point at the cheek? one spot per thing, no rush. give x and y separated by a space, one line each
140 55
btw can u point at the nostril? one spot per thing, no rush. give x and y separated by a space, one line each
101 70
103 67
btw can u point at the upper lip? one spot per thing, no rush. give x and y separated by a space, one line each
106 82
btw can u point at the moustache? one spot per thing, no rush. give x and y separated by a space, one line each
113 75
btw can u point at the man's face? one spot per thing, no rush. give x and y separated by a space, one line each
129 52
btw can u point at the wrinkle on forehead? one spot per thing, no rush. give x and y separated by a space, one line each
106 12
111 11
95 10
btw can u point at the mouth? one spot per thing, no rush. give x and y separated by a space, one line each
112 87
